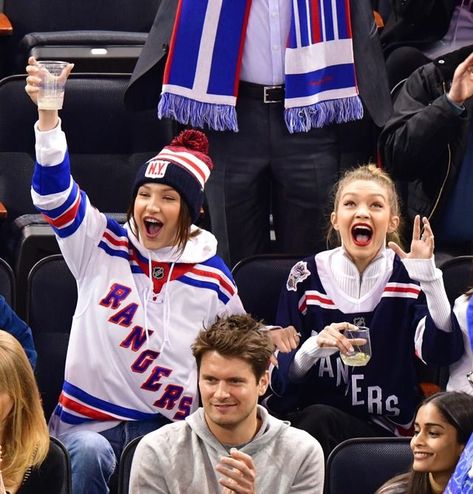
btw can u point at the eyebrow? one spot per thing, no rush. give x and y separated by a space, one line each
147 185
357 194
431 424
206 376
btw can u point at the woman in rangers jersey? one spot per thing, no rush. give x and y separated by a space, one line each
363 283
145 289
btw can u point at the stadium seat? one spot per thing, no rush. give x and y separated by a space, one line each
260 279
64 468
7 283
124 468
362 465
51 301
105 36
457 276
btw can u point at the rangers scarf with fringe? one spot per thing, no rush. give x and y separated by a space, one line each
201 78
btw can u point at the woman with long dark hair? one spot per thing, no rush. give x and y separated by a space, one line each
443 425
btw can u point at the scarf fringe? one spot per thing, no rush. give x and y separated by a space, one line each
318 115
196 113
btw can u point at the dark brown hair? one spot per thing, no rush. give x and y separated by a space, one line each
236 336
457 409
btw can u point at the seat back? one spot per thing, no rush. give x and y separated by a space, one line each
7 283
362 465
457 276
87 24
64 469
124 468
260 279
51 301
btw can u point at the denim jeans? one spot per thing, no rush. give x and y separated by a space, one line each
94 456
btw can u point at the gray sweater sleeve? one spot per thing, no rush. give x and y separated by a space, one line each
310 477
147 470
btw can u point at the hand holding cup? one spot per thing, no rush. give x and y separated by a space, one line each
361 342
46 82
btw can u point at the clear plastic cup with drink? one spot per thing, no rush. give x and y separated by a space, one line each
361 343
51 88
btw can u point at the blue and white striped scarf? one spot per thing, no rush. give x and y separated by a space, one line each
201 78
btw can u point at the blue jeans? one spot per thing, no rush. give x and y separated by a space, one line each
94 456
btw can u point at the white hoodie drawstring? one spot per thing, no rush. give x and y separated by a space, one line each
148 293
166 304
167 310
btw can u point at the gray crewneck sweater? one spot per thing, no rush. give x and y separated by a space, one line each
180 458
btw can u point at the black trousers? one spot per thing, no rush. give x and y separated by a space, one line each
264 169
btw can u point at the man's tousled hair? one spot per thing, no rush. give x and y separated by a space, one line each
236 336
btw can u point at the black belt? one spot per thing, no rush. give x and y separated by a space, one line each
266 94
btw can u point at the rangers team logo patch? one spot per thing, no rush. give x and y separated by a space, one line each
298 273
158 272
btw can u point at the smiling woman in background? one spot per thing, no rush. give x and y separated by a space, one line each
443 425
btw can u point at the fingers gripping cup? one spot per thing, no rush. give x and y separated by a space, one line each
361 343
51 88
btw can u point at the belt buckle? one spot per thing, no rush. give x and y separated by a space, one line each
266 95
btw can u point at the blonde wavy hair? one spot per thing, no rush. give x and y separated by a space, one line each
25 441
370 173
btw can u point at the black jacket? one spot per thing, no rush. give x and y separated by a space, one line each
424 141
145 85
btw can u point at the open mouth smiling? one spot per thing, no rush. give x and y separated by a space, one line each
361 234
152 226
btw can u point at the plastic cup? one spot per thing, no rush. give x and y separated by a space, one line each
362 349
51 88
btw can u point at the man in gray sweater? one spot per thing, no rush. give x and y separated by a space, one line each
232 444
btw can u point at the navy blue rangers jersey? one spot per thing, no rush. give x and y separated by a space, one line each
395 310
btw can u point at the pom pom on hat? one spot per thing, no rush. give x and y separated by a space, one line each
184 165
192 139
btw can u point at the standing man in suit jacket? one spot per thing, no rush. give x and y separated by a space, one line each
276 85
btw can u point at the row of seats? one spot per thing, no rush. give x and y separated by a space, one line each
358 466
364 464
105 36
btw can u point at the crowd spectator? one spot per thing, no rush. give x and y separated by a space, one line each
427 145
399 295
443 425
232 444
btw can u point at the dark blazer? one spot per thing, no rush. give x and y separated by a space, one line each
145 85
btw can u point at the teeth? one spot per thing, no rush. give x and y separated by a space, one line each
421 455
151 220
